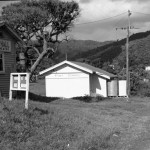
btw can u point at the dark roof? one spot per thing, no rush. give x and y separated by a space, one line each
94 69
11 31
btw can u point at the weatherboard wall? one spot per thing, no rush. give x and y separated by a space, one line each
67 81
9 63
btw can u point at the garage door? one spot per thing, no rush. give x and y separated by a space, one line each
67 85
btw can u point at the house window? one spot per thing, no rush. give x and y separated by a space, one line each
1 63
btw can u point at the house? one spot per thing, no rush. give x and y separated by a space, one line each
70 79
8 39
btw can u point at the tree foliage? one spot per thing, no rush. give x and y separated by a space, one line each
44 20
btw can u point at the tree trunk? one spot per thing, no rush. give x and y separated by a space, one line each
39 59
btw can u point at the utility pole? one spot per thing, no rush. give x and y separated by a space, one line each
127 57
127 54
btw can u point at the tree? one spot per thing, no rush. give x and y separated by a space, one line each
44 20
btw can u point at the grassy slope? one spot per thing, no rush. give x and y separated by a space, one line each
70 124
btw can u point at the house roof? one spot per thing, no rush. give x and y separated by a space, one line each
95 69
83 66
12 33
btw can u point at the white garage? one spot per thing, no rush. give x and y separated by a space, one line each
70 79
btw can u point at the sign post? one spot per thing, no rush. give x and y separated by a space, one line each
20 82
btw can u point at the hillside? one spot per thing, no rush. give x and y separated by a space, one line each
107 53
75 47
139 53
79 45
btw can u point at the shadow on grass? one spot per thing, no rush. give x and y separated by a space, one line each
90 99
41 111
39 98
34 97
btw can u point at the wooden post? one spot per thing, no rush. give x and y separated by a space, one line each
10 95
27 91
26 99
10 88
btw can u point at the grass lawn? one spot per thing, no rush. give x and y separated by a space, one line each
38 87
113 124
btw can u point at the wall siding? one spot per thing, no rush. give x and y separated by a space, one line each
67 82
10 65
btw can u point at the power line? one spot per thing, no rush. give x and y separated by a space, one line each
101 19
140 13
120 20
116 25
108 18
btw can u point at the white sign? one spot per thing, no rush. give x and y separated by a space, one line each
19 82
5 46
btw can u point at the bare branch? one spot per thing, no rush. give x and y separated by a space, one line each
36 50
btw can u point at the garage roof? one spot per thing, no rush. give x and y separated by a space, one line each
95 69
83 66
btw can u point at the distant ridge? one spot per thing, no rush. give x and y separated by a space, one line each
108 52
74 47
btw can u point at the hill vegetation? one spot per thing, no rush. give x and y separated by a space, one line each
108 52
75 47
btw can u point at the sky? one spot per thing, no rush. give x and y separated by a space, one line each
97 19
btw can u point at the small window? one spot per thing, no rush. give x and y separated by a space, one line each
1 63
